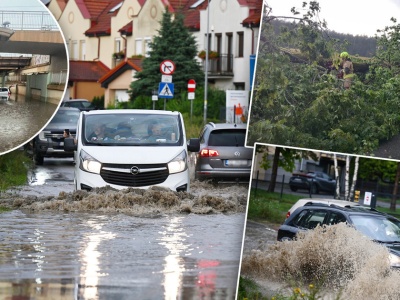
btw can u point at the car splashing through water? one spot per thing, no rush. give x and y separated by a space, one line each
338 259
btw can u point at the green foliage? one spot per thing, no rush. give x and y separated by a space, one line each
13 169
173 42
298 102
98 101
377 169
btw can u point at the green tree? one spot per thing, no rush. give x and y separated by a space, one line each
298 101
174 42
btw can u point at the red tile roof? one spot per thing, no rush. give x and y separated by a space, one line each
255 11
127 64
127 29
80 70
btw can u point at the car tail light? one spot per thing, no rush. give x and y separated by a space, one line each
288 214
208 153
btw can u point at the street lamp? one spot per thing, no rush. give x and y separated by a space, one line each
206 72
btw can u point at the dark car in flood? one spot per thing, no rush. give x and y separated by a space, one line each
379 227
314 182
50 141
223 155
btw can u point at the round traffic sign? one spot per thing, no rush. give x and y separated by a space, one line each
167 67
191 85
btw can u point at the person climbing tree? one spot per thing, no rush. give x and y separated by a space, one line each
347 69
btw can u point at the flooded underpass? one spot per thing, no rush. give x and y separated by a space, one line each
22 118
130 244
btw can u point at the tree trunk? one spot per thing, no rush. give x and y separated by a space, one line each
353 184
272 183
395 189
346 184
336 176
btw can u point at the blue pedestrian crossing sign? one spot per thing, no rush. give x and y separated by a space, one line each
166 90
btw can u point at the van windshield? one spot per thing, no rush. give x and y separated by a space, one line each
132 129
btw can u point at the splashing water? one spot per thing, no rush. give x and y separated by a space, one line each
337 258
137 202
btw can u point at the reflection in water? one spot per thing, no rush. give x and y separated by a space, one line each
91 258
21 119
173 239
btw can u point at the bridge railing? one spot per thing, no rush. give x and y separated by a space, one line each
27 20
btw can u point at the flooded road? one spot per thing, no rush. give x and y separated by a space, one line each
107 244
22 118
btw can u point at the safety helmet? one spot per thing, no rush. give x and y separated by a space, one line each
344 54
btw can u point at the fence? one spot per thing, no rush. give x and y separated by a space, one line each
379 188
28 20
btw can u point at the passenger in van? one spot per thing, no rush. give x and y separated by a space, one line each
156 132
123 131
100 132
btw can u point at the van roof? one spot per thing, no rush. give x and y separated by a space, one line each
131 111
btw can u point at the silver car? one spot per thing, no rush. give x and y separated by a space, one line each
222 155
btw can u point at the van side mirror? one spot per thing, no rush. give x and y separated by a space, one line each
69 144
193 145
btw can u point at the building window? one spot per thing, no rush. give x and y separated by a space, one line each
75 50
117 45
147 47
229 51
138 47
82 53
207 42
240 43
239 86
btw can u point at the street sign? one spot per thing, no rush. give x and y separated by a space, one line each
167 67
166 78
191 86
166 90
367 198
191 96
154 98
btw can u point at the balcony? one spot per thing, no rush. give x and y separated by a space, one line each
221 66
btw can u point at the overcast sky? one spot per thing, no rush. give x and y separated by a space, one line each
22 5
347 16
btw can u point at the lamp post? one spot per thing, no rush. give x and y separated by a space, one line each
206 72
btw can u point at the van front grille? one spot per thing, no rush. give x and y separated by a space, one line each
121 174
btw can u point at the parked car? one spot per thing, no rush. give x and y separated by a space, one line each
302 202
81 104
50 141
379 227
135 148
315 182
222 154
5 93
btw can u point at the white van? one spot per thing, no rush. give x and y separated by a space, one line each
130 148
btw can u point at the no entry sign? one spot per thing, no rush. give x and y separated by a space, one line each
191 86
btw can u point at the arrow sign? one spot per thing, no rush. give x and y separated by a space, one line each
191 86
166 90
167 67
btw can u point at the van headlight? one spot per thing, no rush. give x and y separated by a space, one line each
89 164
394 260
178 164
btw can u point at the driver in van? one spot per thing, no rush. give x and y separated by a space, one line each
155 131
99 133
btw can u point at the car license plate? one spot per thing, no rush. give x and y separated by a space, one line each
235 163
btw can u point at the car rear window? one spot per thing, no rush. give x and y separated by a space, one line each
227 137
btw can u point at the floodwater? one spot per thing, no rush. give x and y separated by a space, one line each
131 244
21 119
337 260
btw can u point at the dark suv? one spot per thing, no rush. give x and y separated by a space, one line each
50 141
377 226
315 182
222 155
